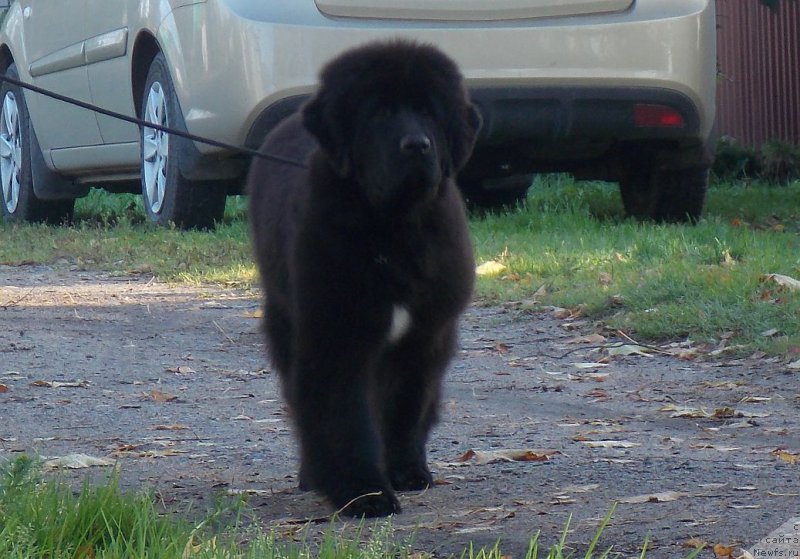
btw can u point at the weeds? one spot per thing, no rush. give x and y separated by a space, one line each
43 518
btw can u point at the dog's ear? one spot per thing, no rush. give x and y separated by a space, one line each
461 138
325 127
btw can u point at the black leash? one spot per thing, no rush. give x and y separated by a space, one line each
140 122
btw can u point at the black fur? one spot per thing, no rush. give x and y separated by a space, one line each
375 223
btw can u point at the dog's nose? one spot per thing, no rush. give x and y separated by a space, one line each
415 144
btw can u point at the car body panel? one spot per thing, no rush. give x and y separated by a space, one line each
466 10
235 61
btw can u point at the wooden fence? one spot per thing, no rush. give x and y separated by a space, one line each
759 63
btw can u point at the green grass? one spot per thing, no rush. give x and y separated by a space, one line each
43 518
572 244
569 245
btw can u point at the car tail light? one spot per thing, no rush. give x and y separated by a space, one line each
657 116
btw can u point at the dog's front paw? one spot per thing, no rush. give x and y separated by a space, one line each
411 478
371 505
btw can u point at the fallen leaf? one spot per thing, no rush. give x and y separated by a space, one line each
254 314
161 397
589 365
718 448
573 313
161 453
723 551
490 269
755 399
181 370
173 427
794 365
60 384
588 339
769 333
724 413
3 388
581 488
505 455
663 497
695 543
610 444
786 456
782 281
76 461
598 394
629 349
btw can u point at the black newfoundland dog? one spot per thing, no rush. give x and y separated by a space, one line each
366 265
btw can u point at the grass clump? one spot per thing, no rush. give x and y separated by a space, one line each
571 246
44 518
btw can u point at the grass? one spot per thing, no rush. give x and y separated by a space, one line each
569 246
43 518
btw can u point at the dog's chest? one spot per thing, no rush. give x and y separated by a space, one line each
400 324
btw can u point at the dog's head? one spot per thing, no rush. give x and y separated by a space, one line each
395 118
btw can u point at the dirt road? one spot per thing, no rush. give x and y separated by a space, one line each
173 382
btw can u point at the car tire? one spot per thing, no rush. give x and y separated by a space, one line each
673 196
169 197
17 145
496 193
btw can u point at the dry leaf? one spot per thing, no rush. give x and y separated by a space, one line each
786 456
610 444
663 497
505 455
782 281
588 339
723 551
161 453
628 349
581 488
695 543
60 384
490 269
76 461
254 314
173 427
794 365
161 397
589 365
573 313
3 388
181 370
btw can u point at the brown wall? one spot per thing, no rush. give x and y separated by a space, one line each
759 61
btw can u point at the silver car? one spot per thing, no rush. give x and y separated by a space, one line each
619 90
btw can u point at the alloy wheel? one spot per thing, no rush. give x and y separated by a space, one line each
155 149
10 152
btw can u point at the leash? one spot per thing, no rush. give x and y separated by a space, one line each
143 123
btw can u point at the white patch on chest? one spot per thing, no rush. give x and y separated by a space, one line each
401 323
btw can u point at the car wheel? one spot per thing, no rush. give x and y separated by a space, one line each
495 193
169 197
665 195
17 142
